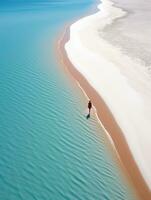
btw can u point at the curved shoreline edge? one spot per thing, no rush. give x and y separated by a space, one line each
108 121
119 79
106 118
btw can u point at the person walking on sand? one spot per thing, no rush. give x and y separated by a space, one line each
89 107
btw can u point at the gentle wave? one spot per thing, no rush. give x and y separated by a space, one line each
49 150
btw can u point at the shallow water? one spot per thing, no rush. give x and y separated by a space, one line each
48 148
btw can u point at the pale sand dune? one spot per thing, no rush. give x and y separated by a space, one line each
134 31
120 78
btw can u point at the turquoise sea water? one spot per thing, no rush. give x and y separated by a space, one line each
48 150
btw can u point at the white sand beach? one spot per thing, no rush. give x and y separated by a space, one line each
111 49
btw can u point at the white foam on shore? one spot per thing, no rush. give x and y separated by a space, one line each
120 80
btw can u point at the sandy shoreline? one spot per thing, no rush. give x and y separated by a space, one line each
122 79
108 122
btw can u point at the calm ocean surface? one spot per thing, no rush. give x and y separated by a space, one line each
48 150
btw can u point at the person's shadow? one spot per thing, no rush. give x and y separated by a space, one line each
88 116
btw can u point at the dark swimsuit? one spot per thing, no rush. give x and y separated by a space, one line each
89 105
